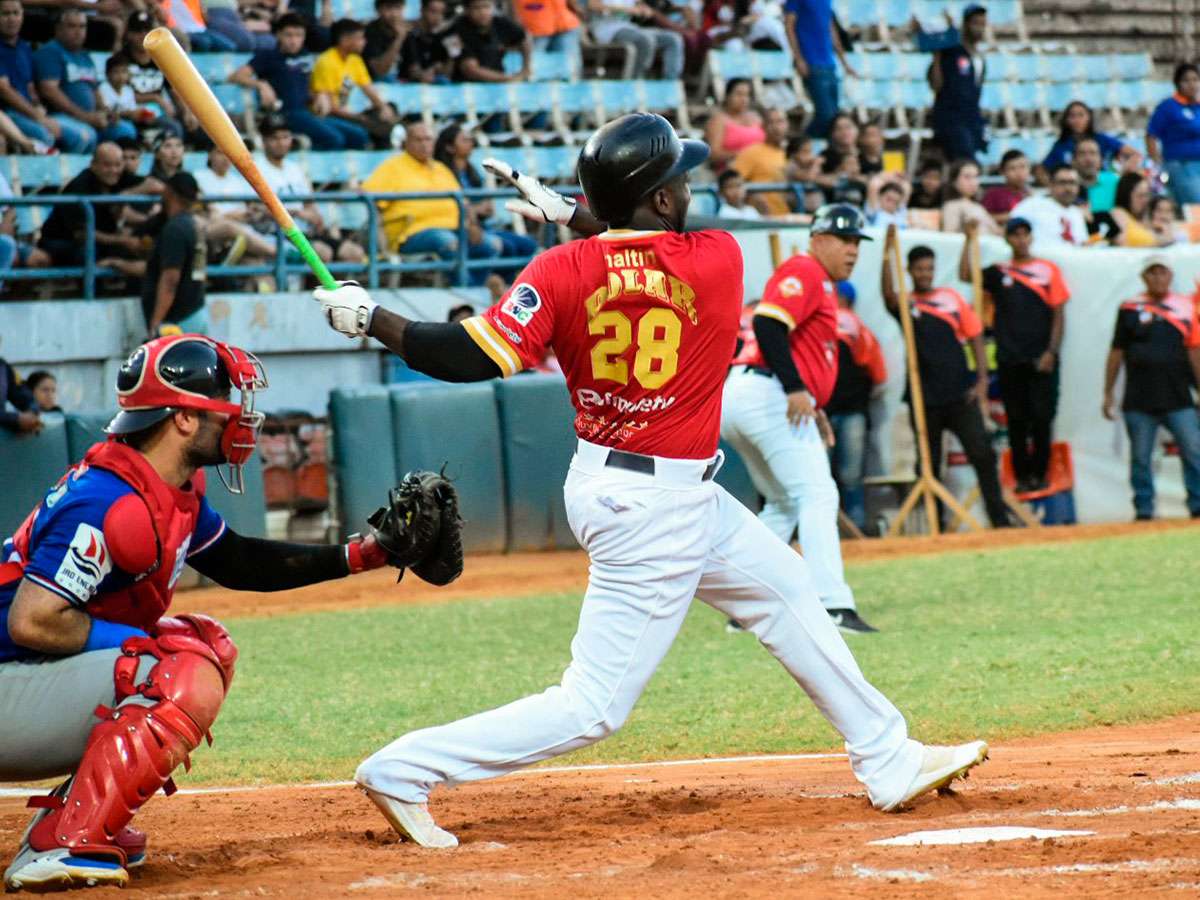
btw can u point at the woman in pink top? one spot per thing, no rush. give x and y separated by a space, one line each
733 127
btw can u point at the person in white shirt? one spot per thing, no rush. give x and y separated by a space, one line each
232 221
731 192
887 200
287 179
1056 219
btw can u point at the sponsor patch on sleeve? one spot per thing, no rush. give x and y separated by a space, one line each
86 564
791 287
521 304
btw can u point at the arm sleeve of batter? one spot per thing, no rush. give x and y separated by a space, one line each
773 343
444 350
251 564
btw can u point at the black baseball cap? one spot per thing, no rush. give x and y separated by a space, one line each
139 21
184 185
1016 223
840 219
272 123
973 9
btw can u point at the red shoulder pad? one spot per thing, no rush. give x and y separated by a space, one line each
130 535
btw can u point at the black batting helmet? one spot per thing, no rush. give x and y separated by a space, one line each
841 219
629 158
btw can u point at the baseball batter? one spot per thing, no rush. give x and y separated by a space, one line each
643 317
781 377
96 682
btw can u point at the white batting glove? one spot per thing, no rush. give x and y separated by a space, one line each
348 309
539 203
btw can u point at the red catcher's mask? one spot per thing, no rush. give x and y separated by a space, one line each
190 371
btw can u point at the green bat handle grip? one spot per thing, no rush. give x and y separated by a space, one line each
300 242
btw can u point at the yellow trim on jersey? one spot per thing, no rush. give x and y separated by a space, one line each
491 342
771 311
625 234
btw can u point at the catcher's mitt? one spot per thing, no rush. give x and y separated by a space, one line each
420 528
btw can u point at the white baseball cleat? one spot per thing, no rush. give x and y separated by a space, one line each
413 821
59 870
939 767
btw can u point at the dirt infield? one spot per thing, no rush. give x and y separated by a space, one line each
787 828
529 574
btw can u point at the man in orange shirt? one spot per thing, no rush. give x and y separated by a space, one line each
766 163
554 24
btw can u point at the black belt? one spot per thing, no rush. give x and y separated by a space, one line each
759 370
636 462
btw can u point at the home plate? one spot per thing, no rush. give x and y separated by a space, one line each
976 836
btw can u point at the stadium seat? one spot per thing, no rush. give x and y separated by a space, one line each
217 67
488 98
728 64
664 97
36 173
1059 96
445 100
1134 65
363 162
333 167
517 157
773 65
547 65
555 163
617 97
1096 94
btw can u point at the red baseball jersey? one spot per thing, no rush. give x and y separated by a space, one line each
863 345
800 295
643 324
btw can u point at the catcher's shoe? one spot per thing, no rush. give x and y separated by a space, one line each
61 869
939 767
412 821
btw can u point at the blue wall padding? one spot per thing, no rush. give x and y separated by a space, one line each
456 425
735 478
32 464
363 452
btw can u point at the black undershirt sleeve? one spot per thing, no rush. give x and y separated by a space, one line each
251 564
773 342
444 350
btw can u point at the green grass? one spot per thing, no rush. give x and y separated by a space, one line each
996 644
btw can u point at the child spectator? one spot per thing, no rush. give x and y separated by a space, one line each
927 193
1000 199
960 206
731 191
44 388
870 149
887 200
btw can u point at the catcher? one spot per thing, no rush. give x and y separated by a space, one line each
96 683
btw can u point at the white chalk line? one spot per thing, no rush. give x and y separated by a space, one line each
1132 865
524 773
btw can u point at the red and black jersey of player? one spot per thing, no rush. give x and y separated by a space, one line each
1025 296
942 322
1156 339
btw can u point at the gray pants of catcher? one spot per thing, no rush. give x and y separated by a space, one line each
47 711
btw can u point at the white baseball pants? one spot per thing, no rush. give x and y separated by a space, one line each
655 542
790 468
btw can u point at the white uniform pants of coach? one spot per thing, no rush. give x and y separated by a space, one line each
655 542
790 468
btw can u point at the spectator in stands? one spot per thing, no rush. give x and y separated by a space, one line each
927 192
861 374
173 285
168 157
1000 199
1157 341
767 162
26 419
44 388
956 77
1131 213
961 206
423 56
338 71
734 126
840 179
149 85
460 312
231 223
453 149
187 19
64 231
1173 135
814 42
281 76
118 97
12 140
887 199
18 97
225 21
287 178
943 322
68 82
554 24
742 24
14 252
385 36
731 197
423 226
1165 222
612 24
1027 296
1056 219
684 20
870 149
1098 184
478 39
803 164
1077 123
104 20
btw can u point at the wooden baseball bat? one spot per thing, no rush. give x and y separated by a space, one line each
195 92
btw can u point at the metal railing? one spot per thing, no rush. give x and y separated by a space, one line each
380 261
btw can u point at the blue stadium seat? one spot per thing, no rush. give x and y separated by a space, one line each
530 97
773 65
1096 94
217 67
547 65
992 98
332 167
195 160
703 204
617 97
863 63
898 12
1058 96
916 94
887 66
487 98
235 99
517 157
363 162
664 96
1025 95
363 10
1133 65
575 97
731 64
1096 66
444 100
555 163
37 172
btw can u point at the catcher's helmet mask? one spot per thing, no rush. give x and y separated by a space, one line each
191 371
630 158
